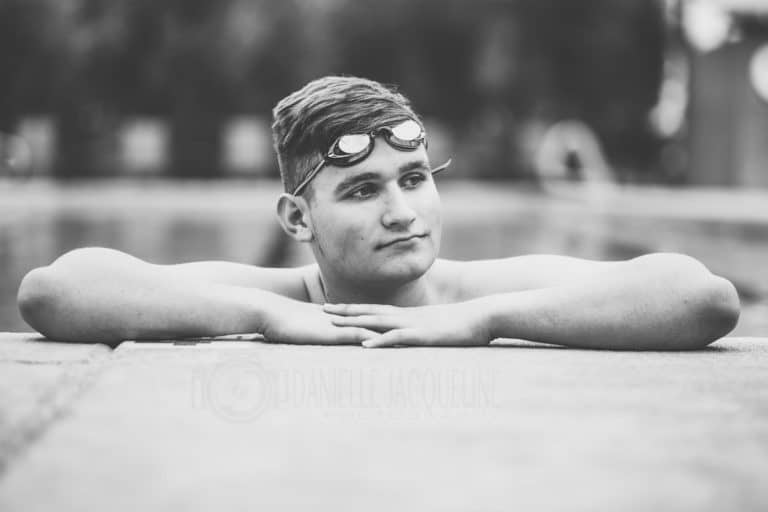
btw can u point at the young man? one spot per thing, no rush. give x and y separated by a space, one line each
359 189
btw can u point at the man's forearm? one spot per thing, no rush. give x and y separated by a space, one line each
195 309
637 308
127 299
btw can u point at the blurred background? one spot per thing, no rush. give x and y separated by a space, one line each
595 128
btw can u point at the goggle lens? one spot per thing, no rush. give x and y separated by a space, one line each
355 143
409 131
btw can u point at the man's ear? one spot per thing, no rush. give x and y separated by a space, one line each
293 214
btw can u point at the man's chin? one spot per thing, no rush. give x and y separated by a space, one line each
403 269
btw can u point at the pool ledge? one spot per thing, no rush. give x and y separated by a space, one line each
238 424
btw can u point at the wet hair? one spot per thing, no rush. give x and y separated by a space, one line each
307 121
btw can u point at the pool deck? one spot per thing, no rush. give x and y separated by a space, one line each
239 425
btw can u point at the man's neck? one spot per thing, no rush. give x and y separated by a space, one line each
413 293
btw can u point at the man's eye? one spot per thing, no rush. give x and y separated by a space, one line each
413 180
363 191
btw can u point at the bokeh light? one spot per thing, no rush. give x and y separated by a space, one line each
15 155
706 25
758 72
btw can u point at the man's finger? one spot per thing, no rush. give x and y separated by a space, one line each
350 336
376 322
358 334
394 337
356 309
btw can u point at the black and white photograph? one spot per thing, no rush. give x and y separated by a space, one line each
425 255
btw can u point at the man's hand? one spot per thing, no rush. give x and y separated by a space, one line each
456 324
297 322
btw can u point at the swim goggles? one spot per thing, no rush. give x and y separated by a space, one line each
353 148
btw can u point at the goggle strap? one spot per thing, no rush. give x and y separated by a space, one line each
309 177
443 167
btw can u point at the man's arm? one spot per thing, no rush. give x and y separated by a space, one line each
103 295
654 302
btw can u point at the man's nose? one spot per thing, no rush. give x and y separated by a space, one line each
398 211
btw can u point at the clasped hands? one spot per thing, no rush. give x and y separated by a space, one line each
459 324
445 324
376 325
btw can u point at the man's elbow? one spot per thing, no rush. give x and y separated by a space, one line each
42 300
36 298
716 315
718 297
723 306
713 306
50 301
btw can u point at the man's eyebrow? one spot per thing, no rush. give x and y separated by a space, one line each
413 165
351 180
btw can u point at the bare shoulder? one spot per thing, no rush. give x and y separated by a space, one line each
464 280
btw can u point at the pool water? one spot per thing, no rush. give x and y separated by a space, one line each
167 222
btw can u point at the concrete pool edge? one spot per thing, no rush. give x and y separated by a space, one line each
611 430
56 375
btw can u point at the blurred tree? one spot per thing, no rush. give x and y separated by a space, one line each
195 83
483 67
604 61
28 57
489 65
197 62
87 100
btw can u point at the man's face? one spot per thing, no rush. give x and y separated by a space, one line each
377 222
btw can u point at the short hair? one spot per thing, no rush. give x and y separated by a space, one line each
307 121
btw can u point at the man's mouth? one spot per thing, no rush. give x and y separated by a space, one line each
400 240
